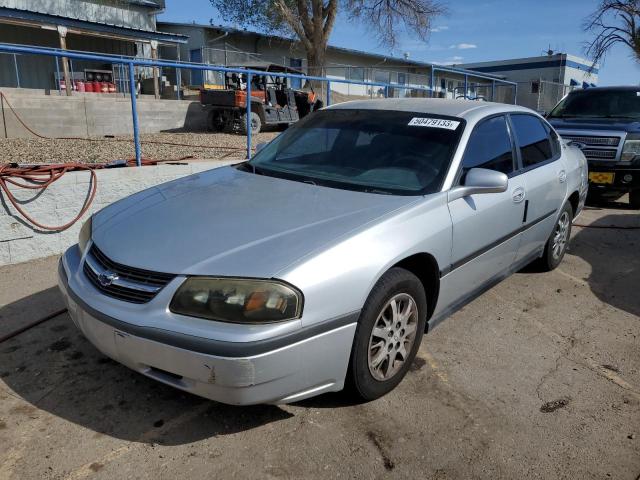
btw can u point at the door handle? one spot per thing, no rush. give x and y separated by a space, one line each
518 195
562 176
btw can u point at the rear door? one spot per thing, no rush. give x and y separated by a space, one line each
485 227
542 170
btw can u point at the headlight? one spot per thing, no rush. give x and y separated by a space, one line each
630 150
85 235
237 300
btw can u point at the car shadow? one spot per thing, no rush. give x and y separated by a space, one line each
611 246
55 369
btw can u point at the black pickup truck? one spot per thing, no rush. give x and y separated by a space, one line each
604 122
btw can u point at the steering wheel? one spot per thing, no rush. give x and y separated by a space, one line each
422 168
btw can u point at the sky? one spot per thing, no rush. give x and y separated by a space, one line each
472 31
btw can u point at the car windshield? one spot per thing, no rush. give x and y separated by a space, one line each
599 103
378 151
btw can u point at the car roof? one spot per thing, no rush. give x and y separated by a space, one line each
467 109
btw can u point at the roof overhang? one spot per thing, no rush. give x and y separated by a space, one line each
82 27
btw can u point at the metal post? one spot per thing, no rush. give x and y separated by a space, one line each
120 79
134 115
62 33
154 69
248 116
432 81
178 73
386 91
493 90
466 88
328 93
15 64
515 94
71 68
4 121
57 74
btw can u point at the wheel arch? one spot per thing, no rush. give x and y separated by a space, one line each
424 266
574 200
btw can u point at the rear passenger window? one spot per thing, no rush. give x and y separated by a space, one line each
489 147
533 139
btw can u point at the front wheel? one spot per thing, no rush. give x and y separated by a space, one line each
388 336
556 245
256 123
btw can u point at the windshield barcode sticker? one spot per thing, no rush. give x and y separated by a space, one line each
434 123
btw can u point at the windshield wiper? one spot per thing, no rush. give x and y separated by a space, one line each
376 190
622 116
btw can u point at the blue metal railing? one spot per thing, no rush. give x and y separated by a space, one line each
132 62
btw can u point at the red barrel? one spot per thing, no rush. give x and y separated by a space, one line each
104 87
80 87
88 87
112 87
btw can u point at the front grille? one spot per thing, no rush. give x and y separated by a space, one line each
594 141
600 154
119 281
594 147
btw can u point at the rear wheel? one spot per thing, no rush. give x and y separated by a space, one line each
256 123
216 122
557 243
388 336
634 199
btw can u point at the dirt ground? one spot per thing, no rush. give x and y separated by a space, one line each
538 378
156 146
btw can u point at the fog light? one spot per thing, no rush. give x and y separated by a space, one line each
627 178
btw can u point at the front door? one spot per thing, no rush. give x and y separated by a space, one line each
485 235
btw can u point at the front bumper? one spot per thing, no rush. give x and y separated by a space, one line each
619 183
277 370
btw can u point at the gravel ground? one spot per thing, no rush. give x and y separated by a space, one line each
101 149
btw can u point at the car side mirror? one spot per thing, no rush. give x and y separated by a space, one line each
260 146
478 181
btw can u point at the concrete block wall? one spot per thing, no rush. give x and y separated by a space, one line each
21 242
87 114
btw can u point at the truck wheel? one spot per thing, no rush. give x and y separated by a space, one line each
634 199
388 335
215 122
558 240
256 123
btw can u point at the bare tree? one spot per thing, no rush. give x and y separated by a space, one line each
614 22
312 21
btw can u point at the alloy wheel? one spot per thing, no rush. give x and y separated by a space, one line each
560 235
392 336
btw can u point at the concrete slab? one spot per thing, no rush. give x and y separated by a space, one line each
538 378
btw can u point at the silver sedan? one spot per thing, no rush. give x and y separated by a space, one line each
321 262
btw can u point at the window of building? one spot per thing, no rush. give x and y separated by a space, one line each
535 87
356 74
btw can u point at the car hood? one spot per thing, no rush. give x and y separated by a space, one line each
232 223
612 124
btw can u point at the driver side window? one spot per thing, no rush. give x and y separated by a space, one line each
489 147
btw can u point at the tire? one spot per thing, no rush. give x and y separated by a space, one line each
556 245
367 376
215 122
256 123
634 199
